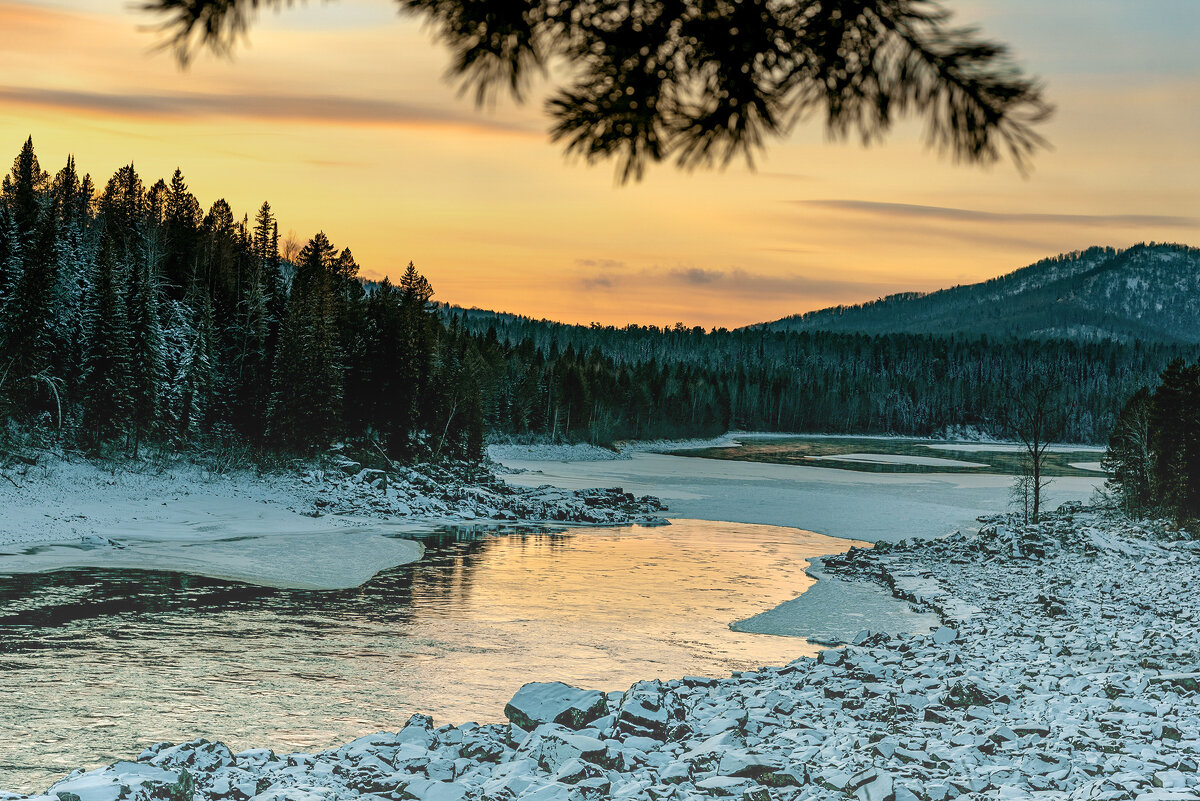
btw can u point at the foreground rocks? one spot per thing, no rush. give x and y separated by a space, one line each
462 491
1068 667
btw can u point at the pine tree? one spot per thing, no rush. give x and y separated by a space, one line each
70 314
196 378
22 192
251 368
27 323
105 383
10 259
307 399
181 220
147 355
123 207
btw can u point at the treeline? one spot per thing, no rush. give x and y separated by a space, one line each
1153 456
128 316
647 382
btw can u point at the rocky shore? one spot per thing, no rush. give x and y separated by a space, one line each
1067 667
463 492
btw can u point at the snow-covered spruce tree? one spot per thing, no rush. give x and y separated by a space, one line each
10 258
307 400
415 400
195 378
254 332
72 198
175 318
250 371
27 325
75 268
147 353
105 383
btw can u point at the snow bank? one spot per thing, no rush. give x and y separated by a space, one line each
320 529
237 525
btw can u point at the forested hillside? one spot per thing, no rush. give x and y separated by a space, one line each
129 316
1149 292
644 381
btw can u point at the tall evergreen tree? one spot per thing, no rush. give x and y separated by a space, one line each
27 331
10 258
105 384
22 189
307 399
123 206
181 221
195 380
147 354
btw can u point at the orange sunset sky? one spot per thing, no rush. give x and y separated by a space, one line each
337 114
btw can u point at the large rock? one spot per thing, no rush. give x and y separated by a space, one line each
554 702
552 745
647 709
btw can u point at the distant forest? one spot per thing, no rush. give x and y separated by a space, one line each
647 382
129 316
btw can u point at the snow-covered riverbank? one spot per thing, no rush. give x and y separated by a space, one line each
314 529
1066 668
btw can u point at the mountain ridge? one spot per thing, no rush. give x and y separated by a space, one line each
1149 292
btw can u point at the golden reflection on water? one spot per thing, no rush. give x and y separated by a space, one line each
95 665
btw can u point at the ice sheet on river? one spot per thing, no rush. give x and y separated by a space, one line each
332 559
840 503
834 610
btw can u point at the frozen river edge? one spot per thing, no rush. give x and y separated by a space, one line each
316 529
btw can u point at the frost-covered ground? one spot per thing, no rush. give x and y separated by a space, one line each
1066 668
312 529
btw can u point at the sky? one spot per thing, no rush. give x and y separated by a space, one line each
339 115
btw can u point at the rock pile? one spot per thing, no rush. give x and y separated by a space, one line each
464 492
1068 668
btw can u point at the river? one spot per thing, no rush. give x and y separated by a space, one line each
97 664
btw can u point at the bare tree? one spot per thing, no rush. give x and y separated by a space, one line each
702 82
1029 418
290 247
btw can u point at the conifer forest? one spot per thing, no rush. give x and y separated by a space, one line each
132 316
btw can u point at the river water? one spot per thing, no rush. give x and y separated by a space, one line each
95 664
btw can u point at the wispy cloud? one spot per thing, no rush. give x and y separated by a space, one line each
909 210
738 282
329 109
603 264
696 276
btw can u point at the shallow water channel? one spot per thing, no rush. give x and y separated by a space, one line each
97 664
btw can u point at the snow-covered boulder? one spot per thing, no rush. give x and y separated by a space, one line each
554 702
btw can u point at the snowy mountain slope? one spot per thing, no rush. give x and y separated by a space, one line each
1147 292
